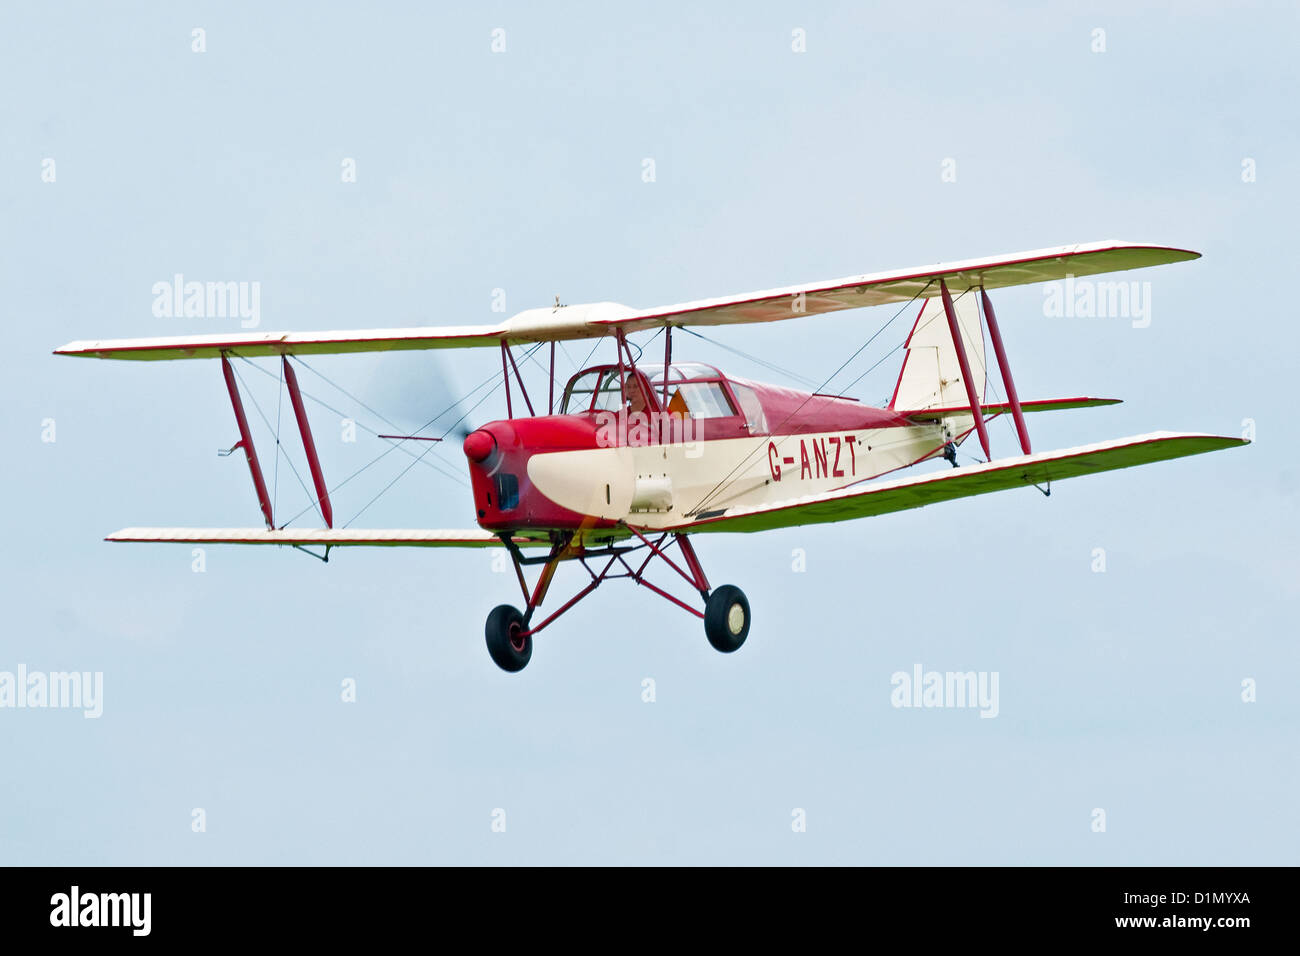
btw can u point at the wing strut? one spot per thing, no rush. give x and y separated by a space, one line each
505 375
246 441
507 354
309 446
550 389
668 359
976 408
1012 398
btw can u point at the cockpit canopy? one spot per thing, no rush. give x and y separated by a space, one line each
599 389
694 390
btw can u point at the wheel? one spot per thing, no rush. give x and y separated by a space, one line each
726 618
510 648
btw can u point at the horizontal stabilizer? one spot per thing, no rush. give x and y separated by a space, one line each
1002 408
332 537
875 498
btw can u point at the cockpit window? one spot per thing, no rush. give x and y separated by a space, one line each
702 399
578 397
610 396
752 407
694 389
603 385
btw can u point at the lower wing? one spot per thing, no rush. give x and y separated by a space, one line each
331 537
867 500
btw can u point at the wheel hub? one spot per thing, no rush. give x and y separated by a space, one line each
517 638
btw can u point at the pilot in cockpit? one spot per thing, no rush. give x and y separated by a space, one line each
635 397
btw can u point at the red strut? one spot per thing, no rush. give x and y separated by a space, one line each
1010 386
550 392
976 407
308 444
668 358
246 441
505 374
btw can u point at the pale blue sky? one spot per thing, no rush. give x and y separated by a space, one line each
522 171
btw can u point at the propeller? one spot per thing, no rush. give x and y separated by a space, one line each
415 392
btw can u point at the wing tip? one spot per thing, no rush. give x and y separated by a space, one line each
1155 246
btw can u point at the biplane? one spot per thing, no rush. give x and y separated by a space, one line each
633 458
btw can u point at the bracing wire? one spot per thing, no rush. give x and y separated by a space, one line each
463 416
279 405
362 425
393 445
728 479
267 421
770 366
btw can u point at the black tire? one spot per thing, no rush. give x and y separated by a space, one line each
726 618
510 649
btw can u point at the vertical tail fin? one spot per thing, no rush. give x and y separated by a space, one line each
931 374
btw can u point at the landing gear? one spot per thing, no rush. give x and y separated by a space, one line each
726 618
510 631
510 645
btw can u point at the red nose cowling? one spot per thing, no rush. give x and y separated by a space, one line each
478 445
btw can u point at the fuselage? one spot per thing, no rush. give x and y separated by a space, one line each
628 447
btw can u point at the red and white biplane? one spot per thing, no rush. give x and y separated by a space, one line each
636 457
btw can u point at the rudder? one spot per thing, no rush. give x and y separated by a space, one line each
931 373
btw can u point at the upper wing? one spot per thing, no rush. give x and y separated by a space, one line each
286 343
866 500
333 537
602 318
853 292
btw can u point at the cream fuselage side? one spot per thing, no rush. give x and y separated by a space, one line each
666 485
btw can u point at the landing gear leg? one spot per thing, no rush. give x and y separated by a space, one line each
508 632
726 609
